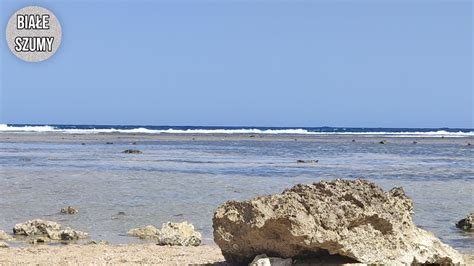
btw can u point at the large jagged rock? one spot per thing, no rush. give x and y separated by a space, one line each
173 234
354 219
46 230
466 224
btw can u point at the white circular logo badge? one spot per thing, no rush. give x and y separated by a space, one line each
33 34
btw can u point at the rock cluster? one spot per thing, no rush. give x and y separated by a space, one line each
173 234
44 231
353 219
466 224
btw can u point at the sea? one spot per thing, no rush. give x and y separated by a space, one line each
185 172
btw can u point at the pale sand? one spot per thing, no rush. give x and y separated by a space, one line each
131 254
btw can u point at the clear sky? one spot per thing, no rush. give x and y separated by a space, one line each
248 63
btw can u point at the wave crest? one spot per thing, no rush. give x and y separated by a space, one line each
287 131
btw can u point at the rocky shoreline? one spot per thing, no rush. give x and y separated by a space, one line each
337 222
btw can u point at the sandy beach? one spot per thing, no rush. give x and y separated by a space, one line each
138 254
132 254
166 183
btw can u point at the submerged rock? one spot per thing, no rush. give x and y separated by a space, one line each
44 231
101 242
5 236
69 210
119 215
174 234
307 161
130 151
353 219
466 224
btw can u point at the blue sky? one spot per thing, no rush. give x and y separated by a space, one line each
253 63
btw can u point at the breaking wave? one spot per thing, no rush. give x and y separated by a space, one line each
191 130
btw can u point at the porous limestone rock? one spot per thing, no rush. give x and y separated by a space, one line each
466 224
43 231
38 227
349 218
178 234
147 232
70 234
174 234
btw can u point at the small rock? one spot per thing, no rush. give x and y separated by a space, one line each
69 210
83 143
5 236
146 232
353 140
173 234
264 260
37 227
133 143
307 161
383 142
43 231
70 234
109 143
132 151
415 142
3 245
468 144
466 224
178 234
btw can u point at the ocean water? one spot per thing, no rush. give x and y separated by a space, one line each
85 129
183 177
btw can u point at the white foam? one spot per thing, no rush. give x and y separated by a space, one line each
4 128
295 131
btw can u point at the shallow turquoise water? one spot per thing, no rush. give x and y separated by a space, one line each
177 180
